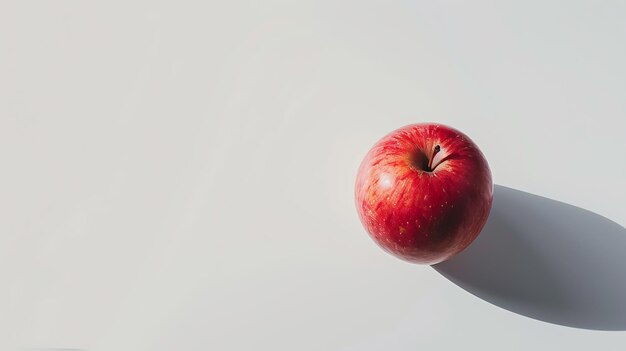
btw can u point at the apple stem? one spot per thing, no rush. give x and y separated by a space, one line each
430 162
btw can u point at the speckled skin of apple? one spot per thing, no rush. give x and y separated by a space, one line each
424 192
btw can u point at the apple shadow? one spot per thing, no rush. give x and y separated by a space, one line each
546 260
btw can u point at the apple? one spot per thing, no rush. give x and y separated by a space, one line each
423 192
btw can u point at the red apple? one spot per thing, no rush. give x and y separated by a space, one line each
424 192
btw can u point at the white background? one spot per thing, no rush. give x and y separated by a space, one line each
179 175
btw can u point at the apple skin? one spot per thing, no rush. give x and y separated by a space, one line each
416 213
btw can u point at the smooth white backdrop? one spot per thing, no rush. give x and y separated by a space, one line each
179 175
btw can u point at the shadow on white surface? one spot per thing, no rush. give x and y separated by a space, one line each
546 260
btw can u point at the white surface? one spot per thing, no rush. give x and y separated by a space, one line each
179 176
